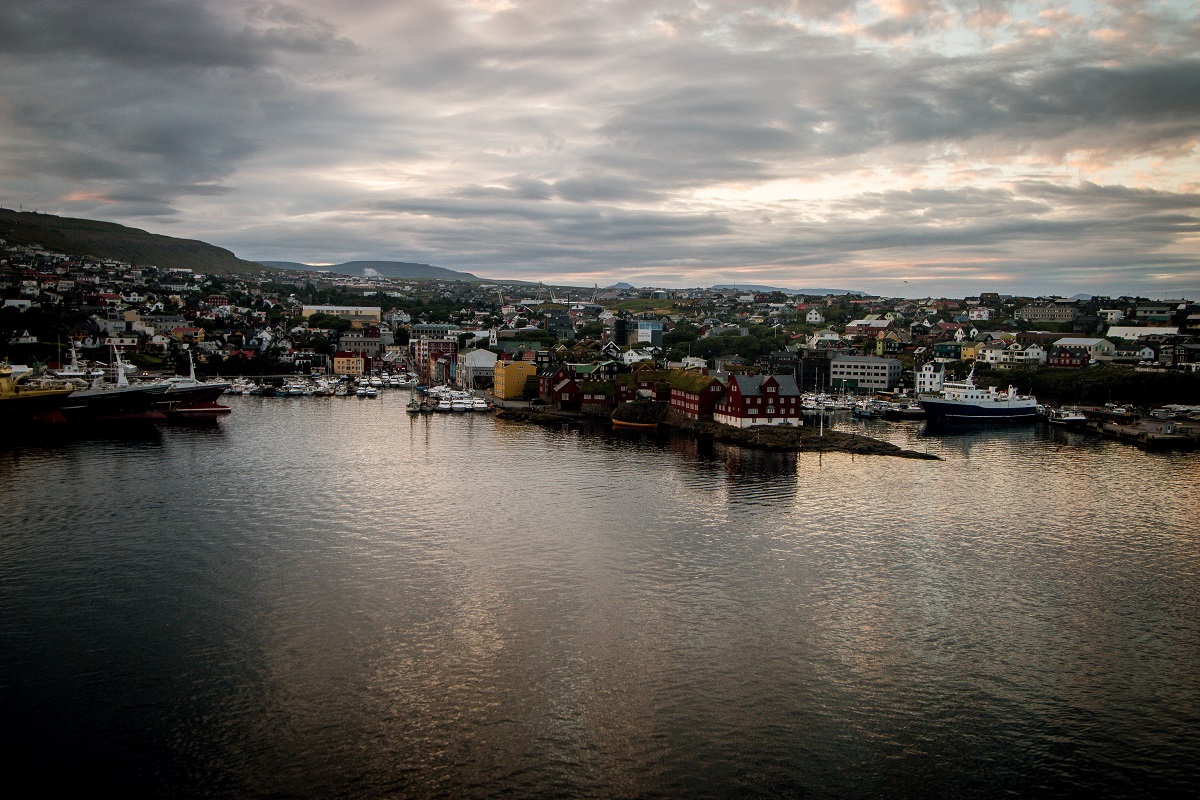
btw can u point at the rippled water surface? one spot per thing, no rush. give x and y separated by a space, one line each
328 598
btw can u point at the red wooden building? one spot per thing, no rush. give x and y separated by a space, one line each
696 396
759 400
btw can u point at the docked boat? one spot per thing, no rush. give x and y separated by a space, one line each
867 410
963 401
22 401
634 426
901 411
118 400
74 371
187 396
1066 417
115 401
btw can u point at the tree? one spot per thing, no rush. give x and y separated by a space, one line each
593 330
330 321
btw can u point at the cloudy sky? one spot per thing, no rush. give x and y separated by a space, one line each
906 147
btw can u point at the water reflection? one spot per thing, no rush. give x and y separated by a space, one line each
332 598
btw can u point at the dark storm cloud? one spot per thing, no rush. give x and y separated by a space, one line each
142 34
152 98
160 34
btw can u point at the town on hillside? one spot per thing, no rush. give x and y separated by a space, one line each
728 355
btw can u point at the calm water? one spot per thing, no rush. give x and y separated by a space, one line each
328 598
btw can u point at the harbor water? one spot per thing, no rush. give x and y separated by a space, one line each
328 597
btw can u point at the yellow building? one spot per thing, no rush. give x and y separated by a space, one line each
508 378
968 350
348 364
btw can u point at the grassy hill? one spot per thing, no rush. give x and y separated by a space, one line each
108 240
387 269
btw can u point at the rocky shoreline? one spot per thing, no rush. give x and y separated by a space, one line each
777 438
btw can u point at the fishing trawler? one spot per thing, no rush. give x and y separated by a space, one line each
22 401
963 401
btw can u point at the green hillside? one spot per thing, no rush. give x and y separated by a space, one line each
108 240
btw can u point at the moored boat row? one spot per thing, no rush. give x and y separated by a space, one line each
442 399
74 394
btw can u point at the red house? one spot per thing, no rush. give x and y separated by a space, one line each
759 400
567 394
696 396
1073 357
550 378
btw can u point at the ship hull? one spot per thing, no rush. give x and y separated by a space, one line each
198 399
130 402
951 411
32 406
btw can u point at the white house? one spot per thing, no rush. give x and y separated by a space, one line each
1016 353
633 356
821 337
122 341
930 377
473 364
991 352
24 337
814 317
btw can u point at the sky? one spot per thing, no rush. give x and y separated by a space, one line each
901 147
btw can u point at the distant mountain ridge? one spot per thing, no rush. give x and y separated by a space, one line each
378 269
108 240
752 287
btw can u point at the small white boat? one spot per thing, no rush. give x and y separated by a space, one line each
1066 417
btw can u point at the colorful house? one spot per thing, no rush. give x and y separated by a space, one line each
508 378
694 395
759 400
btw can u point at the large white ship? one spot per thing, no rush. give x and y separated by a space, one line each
963 401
